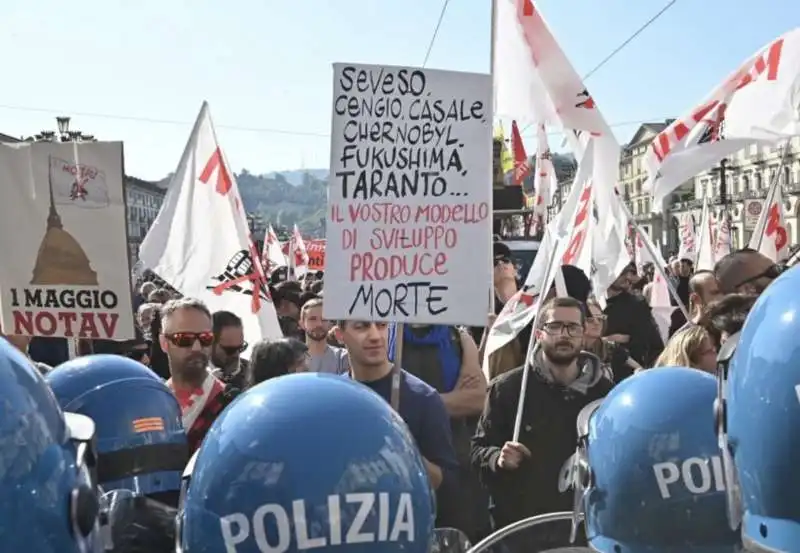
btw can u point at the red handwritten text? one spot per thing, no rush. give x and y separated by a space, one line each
368 266
399 214
80 172
426 238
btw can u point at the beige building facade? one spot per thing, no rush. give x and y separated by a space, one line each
143 200
748 175
632 178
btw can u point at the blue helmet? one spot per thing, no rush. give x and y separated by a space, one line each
760 419
647 474
48 498
307 461
141 443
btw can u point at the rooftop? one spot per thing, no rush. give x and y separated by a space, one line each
150 186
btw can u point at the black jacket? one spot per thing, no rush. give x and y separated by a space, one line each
631 315
548 430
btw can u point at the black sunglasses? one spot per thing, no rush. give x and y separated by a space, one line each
771 273
233 350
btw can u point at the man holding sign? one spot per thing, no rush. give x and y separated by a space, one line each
418 404
409 213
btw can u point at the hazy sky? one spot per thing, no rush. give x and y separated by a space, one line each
138 71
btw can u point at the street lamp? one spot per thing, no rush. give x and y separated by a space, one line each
63 134
63 125
722 171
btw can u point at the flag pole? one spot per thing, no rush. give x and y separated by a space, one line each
491 159
640 234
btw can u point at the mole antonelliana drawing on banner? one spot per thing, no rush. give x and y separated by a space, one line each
61 258
66 213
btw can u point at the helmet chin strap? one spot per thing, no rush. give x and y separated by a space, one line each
732 492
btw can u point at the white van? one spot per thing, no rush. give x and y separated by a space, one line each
523 252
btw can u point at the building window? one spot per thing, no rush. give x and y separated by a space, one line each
758 180
745 183
787 175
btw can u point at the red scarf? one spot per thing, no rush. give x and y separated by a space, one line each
193 401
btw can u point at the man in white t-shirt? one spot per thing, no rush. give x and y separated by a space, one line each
323 357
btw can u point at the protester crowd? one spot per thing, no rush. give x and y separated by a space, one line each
461 423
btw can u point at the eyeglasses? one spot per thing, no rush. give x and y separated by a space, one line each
233 350
187 339
558 327
501 260
596 319
772 272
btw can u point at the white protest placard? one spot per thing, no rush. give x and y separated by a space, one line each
409 199
66 271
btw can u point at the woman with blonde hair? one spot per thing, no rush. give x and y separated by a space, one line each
691 347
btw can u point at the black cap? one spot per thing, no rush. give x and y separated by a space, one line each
578 284
499 250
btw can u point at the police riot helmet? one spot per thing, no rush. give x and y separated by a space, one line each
307 461
141 443
48 495
759 411
647 474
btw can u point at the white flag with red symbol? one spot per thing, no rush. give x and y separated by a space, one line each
771 237
200 243
756 103
78 184
705 242
688 238
544 183
722 237
271 255
296 253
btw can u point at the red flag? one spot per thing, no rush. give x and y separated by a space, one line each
522 167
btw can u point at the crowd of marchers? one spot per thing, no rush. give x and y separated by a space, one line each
462 424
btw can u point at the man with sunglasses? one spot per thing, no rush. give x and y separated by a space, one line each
228 347
186 337
746 271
